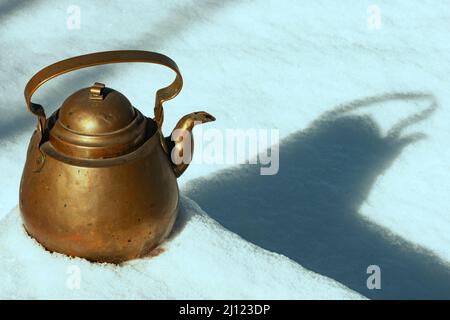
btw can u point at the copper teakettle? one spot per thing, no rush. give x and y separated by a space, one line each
99 181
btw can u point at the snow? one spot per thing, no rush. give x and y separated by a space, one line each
363 115
200 260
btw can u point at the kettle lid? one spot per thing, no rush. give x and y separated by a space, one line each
97 122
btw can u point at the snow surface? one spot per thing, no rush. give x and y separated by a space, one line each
200 260
364 116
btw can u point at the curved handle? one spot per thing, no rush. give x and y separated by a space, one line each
100 58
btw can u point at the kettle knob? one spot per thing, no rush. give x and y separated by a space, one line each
96 91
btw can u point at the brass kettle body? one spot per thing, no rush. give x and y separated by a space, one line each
99 181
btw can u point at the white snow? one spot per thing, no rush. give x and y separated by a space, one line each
202 260
352 190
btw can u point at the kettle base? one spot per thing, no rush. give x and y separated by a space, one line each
106 210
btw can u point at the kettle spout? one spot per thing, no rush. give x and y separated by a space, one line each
181 141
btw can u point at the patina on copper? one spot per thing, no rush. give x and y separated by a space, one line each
98 181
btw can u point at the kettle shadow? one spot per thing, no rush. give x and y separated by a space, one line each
309 210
